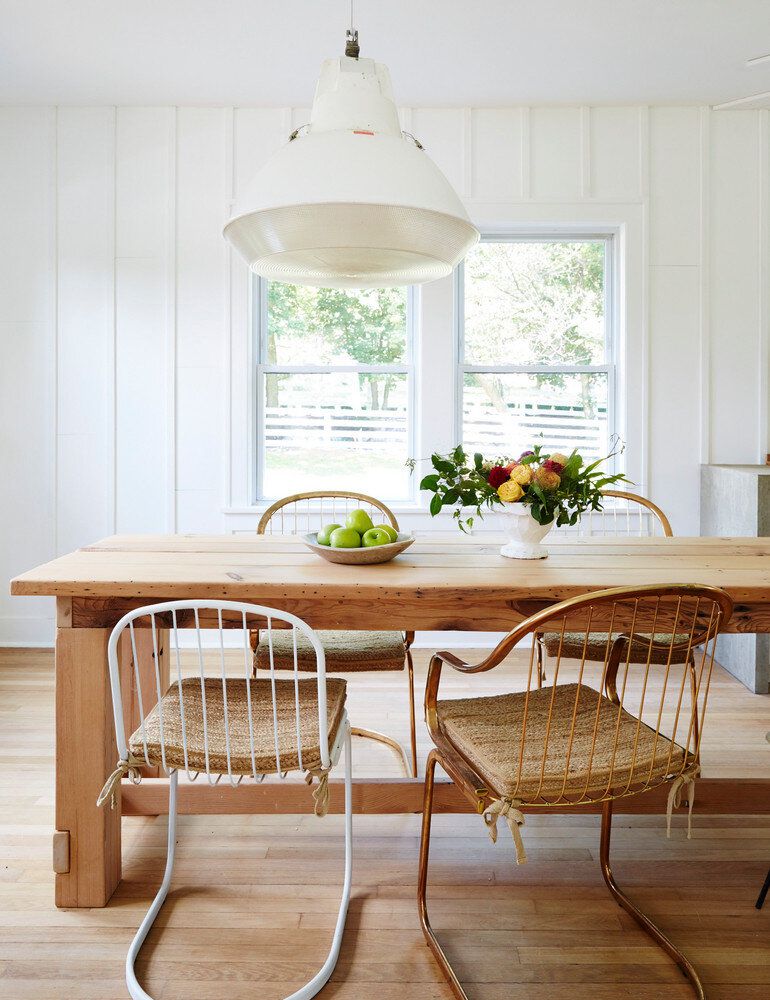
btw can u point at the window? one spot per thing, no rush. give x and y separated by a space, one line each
334 390
536 348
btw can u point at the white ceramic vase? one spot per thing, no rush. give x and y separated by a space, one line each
523 531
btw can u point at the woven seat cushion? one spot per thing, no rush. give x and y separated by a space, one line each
487 731
238 718
573 643
346 652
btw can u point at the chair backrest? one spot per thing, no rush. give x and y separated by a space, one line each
623 515
212 669
306 512
649 651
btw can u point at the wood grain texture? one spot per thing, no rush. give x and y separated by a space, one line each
254 898
444 582
382 796
85 755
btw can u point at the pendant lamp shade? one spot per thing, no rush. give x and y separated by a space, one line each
352 203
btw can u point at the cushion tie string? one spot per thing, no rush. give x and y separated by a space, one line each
128 767
675 798
321 792
515 820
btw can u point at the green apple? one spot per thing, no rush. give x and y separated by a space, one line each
324 534
392 533
375 536
345 538
359 520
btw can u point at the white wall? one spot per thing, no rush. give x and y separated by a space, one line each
124 318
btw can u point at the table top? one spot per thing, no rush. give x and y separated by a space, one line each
274 566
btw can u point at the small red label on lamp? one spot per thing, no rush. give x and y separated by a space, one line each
360 131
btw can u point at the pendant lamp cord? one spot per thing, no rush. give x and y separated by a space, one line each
352 48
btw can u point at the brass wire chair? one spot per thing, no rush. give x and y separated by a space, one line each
599 732
346 651
628 515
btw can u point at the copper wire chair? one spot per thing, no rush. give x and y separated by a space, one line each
600 731
346 651
626 515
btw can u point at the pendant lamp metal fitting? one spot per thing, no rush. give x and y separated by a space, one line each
352 48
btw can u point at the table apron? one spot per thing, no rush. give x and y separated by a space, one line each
440 611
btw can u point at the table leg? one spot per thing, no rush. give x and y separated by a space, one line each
85 756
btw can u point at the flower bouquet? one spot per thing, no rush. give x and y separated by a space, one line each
536 491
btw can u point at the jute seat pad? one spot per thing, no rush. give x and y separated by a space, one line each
596 648
488 731
346 652
238 718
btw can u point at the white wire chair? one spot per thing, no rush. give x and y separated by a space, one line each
216 719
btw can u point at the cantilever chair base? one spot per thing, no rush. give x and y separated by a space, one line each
320 979
617 893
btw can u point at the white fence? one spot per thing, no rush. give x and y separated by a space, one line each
558 428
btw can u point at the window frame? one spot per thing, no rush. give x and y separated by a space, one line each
260 369
611 323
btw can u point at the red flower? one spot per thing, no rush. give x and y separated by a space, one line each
552 466
497 476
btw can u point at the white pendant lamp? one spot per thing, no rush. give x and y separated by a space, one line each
352 202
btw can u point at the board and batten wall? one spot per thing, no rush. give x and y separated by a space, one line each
124 370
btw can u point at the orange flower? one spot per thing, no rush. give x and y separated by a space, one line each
547 480
510 492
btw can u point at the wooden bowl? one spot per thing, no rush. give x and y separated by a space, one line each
369 556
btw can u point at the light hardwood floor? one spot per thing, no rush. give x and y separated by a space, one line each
253 901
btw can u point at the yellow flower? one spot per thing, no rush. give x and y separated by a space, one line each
510 492
561 459
547 480
521 474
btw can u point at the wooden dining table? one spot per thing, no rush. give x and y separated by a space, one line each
444 582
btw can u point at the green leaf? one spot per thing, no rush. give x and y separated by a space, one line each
429 482
435 504
441 464
478 461
451 496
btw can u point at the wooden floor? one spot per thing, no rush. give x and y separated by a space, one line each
254 898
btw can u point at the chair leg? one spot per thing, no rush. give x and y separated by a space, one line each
412 723
540 660
254 643
321 978
644 922
323 975
395 746
422 880
135 990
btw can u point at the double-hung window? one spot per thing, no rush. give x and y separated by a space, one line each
334 390
536 345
